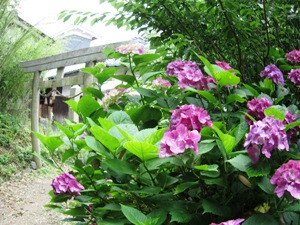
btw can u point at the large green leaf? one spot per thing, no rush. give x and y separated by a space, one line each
133 215
120 166
211 206
226 78
97 146
120 117
145 58
206 146
65 130
261 219
258 170
126 78
105 138
50 142
241 162
144 151
87 105
165 180
277 111
206 94
228 141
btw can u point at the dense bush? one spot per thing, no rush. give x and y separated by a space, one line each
189 143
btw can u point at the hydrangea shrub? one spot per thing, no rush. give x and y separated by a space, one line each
186 143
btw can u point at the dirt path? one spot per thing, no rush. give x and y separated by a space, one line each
22 201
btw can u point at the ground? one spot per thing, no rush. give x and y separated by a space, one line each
22 200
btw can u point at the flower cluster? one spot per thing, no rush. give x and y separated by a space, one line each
268 133
272 72
131 49
176 141
191 116
292 133
161 84
224 65
112 97
66 184
186 123
256 109
293 56
230 222
294 76
189 75
287 178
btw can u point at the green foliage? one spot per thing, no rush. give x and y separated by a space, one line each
18 44
247 34
114 152
15 151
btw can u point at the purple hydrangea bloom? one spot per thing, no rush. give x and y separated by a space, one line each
287 178
269 134
230 222
292 133
272 72
189 75
293 56
191 116
161 84
224 65
294 76
131 49
178 140
256 109
66 184
177 67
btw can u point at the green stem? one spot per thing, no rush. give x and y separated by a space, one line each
152 179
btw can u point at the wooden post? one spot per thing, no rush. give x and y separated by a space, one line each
75 90
35 116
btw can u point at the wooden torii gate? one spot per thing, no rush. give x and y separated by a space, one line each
88 56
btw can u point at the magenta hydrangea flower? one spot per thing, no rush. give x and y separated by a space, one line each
178 140
66 184
161 84
287 178
272 72
269 134
292 133
191 116
293 56
230 222
224 65
189 75
294 76
177 67
256 109
131 49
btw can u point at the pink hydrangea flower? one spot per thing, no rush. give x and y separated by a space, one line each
189 75
256 109
178 140
224 65
294 76
131 49
191 116
66 184
112 97
230 222
287 178
269 134
293 56
292 133
272 72
161 84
